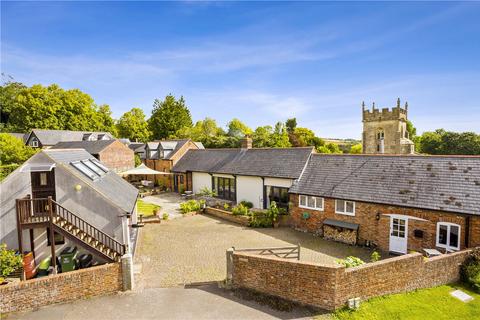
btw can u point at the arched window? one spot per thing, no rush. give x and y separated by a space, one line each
380 134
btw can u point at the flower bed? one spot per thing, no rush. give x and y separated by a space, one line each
227 215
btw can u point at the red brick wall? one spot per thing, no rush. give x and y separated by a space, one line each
118 157
378 231
64 287
330 287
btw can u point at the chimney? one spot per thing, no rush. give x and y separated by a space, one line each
246 142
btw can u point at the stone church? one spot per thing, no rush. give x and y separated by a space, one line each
385 131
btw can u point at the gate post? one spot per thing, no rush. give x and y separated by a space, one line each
229 256
127 272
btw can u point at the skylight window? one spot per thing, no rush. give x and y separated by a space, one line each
85 170
92 168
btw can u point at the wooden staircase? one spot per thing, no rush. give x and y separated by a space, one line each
39 212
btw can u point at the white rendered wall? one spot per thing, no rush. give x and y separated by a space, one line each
201 180
250 189
278 182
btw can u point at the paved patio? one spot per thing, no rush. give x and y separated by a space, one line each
192 249
169 203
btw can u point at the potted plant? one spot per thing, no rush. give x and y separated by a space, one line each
273 212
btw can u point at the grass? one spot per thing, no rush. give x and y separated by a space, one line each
145 208
434 303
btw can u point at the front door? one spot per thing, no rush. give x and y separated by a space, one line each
43 186
398 234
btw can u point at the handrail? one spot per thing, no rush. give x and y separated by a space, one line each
37 210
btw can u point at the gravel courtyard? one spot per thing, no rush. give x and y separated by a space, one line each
192 249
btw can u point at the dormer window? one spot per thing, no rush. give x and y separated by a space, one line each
34 143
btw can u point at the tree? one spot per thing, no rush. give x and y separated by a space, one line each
329 148
412 131
205 131
238 129
54 108
168 117
291 124
280 136
262 137
447 142
13 150
9 91
132 125
356 149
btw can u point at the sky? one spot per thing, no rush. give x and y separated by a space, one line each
261 62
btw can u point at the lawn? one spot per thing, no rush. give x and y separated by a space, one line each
434 303
145 208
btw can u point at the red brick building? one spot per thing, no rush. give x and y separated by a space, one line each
397 203
112 153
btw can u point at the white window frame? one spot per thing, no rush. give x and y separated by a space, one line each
345 207
306 206
448 225
34 143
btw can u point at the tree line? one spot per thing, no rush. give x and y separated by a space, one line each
51 107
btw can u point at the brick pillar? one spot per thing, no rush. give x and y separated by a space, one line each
127 272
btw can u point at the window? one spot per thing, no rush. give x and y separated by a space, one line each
279 195
380 135
310 202
43 179
225 188
34 143
92 168
448 235
345 207
59 239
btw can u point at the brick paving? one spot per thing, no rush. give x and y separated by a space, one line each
192 249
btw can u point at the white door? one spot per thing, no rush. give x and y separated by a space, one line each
398 235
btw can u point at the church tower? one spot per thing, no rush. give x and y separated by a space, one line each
385 131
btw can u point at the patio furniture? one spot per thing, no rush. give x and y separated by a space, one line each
432 252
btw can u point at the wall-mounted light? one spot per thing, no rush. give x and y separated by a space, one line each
378 216
78 188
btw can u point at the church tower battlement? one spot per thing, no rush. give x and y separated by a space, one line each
385 130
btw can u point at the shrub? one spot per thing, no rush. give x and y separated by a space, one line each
9 261
470 270
260 220
350 262
375 256
247 204
240 210
5 170
189 206
273 211
226 206
165 216
205 191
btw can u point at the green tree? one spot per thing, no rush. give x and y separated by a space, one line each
329 148
356 149
280 136
206 131
412 131
54 108
238 129
262 137
168 117
13 150
291 124
132 125
9 91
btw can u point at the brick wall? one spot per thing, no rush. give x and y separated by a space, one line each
118 157
27 295
329 287
378 231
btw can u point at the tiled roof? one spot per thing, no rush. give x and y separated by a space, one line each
280 163
111 185
52 137
447 183
93 147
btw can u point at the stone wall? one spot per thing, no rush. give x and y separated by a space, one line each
64 287
377 231
330 286
226 215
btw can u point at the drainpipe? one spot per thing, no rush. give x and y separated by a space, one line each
467 231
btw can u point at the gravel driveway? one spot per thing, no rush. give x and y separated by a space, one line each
192 249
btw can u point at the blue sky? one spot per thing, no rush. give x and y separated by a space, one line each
257 61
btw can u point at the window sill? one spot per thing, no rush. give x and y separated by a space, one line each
310 208
443 246
345 213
